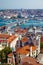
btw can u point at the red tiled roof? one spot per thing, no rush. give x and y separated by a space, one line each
26 63
21 31
10 55
33 48
30 61
10 39
4 36
25 49
24 39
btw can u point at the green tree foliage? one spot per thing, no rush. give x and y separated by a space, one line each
41 45
4 53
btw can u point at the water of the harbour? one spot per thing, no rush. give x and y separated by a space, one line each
38 23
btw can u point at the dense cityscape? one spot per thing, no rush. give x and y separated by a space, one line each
22 13
21 37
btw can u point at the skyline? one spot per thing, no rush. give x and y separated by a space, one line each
21 4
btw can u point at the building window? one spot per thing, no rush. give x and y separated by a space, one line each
36 51
33 53
9 61
3 44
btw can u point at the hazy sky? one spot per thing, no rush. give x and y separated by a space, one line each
13 4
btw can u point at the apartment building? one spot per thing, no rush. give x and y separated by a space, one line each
8 40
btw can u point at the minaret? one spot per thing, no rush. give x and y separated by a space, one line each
39 44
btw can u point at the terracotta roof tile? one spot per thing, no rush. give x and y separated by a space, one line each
26 63
10 55
23 50
24 39
30 61
4 36
21 31
33 48
10 39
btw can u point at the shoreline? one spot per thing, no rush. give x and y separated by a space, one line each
24 19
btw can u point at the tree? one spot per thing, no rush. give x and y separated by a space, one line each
4 53
41 45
